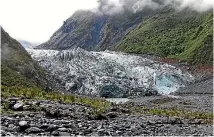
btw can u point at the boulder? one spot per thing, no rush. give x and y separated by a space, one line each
175 120
34 130
112 114
23 125
54 113
18 106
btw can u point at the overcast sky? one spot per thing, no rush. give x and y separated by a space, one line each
36 20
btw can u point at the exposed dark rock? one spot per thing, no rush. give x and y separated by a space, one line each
52 113
111 123
62 129
23 125
26 107
52 127
98 117
34 130
55 133
18 106
3 133
112 114
175 120
64 134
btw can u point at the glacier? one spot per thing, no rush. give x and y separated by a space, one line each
110 74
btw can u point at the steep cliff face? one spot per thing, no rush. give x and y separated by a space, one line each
17 67
93 31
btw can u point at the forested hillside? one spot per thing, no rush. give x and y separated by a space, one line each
18 68
185 35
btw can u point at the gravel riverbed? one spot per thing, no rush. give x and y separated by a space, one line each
59 119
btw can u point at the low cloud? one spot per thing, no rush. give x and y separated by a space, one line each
197 5
117 6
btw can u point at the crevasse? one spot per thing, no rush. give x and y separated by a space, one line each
110 74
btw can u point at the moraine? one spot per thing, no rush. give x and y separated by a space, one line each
110 74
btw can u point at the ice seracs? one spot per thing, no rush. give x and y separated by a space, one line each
110 74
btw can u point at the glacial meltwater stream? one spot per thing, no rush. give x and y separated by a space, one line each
110 74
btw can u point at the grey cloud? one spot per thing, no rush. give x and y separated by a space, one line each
117 6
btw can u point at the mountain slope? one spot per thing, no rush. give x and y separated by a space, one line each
27 44
165 32
92 31
17 67
185 35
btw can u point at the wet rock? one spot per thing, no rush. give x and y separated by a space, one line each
103 132
64 134
36 103
3 133
26 107
88 131
143 125
52 127
23 125
13 99
18 106
9 134
124 110
151 122
9 118
62 129
112 114
34 130
52 113
175 120
98 117
31 115
11 104
60 122
3 127
44 126
42 134
12 128
119 132
55 133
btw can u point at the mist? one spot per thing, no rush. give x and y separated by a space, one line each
118 6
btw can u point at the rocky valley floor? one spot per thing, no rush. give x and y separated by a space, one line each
45 117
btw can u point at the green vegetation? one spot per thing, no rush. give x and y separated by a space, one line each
17 67
100 105
172 112
186 35
10 77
